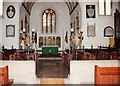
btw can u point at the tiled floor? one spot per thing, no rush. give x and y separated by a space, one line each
51 69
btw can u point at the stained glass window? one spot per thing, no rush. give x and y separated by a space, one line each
49 21
104 7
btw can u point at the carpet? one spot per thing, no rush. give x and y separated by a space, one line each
51 69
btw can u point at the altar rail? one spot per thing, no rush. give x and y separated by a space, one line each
18 54
94 54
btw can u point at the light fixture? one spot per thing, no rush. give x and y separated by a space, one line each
33 36
25 38
24 30
72 30
33 30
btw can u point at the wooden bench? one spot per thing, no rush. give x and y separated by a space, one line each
107 75
4 77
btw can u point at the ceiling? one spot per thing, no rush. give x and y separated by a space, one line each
71 4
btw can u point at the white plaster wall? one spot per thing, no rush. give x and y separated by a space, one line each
100 23
82 72
9 41
74 14
1 32
62 19
23 72
23 12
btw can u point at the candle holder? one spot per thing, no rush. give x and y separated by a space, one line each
25 41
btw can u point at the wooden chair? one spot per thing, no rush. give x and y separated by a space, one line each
107 75
4 77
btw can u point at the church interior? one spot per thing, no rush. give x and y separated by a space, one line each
59 42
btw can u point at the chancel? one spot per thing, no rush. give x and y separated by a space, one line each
59 42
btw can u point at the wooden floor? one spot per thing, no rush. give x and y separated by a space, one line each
52 81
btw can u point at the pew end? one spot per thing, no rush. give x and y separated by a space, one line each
107 75
4 77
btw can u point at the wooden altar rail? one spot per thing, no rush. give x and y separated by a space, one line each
4 77
94 54
18 54
107 75
60 51
63 54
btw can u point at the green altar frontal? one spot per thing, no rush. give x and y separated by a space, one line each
49 49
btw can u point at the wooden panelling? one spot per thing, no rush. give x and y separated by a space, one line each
107 75
49 41
4 77
51 81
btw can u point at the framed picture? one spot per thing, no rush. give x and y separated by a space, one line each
91 30
90 11
10 30
108 31
10 12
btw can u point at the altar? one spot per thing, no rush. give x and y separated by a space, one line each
49 49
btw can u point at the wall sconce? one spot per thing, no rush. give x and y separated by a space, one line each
71 31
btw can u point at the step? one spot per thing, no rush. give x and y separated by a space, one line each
52 81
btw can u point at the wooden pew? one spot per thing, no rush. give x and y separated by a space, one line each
107 75
4 77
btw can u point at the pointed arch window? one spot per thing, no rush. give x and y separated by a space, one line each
105 7
49 21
